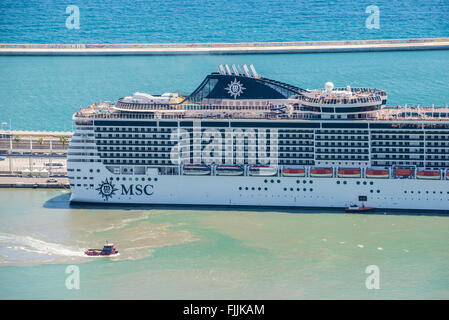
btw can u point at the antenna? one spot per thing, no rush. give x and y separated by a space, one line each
245 68
240 70
253 70
227 69
235 70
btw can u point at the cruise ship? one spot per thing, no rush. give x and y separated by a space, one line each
240 139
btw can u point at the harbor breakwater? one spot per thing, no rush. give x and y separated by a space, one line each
226 48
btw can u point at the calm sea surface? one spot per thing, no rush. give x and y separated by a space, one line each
42 93
150 21
216 254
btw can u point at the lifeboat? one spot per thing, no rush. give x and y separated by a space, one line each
355 208
321 172
428 174
108 250
196 169
349 173
293 172
377 174
403 173
228 170
447 175
262 171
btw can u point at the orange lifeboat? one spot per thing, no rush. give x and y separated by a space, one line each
428 174
403 172
447 175
377 174
293 172
321 172
349 173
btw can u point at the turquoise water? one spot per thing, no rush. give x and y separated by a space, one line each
42 93
149 21
190 253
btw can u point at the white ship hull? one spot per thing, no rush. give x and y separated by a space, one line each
410 194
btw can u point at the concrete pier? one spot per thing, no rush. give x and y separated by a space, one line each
32 182
225 48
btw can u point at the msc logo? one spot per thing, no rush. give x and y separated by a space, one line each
106 190
235 88
137 190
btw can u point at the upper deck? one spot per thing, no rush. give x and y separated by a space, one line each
241 93
110 111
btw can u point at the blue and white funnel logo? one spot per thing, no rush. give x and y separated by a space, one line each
106 189
235 88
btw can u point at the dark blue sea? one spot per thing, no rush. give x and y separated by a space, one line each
168 21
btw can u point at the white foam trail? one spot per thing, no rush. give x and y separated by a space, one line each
30 244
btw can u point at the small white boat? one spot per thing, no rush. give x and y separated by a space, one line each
196 170
294 172
228 170
349 173
262 171
373 173
321 172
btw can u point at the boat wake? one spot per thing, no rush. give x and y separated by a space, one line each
30 244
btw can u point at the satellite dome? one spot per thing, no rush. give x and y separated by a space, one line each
329 86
